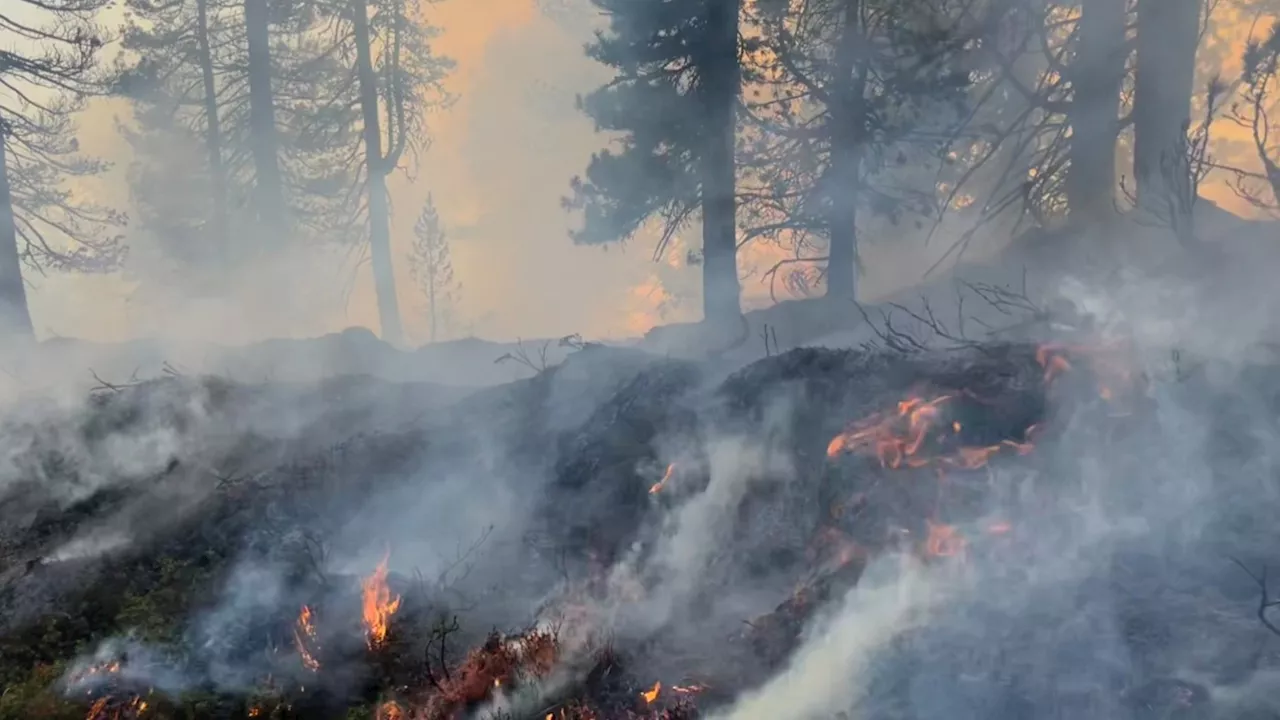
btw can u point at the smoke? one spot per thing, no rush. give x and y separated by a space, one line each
830 671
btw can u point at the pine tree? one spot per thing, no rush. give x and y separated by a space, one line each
432 268
850 102
382 78
673 98
48 56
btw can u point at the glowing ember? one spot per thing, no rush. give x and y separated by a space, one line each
304 639
378 604
944 541
103 709
651 694
390 710
657 487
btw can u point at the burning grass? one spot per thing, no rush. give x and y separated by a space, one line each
891 454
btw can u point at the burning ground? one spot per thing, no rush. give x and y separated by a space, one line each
1019 530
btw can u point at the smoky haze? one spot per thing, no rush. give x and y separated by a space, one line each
602 359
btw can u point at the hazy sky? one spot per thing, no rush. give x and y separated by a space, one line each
500 160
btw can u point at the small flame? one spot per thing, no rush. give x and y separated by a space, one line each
657 487
651 694
896 439
378 604
304 638
390 710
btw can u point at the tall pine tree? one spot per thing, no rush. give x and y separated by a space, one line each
48 57
673 100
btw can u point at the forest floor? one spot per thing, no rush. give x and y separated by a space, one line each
997 530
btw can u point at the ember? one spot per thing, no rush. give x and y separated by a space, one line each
657 487
107 708
944 541
390 710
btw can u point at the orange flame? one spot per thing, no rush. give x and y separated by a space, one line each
378 604
1109 362
657 487
651 694
102 709
897 439
304 637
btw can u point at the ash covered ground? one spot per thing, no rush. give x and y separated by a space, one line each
1056 529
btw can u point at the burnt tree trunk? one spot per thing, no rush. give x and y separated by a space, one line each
213 138
846 157
15 316
377 167
719 91
268 187
1168 35
1096 76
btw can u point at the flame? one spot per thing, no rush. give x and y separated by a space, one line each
304 638
498 662
651 694
657 487
896 439
378 604
1108 361
102 709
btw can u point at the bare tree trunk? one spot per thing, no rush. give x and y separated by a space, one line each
262 122
1168 35
720 287
213 137
1097 74
846 158
376 183
431 300
15 316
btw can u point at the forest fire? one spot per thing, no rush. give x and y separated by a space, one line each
378 604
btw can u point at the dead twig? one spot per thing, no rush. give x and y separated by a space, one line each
538 364
1265 602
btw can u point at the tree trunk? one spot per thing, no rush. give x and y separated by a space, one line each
720 287
269 186
431 300
1096 75
1168 35
846 158
213 140
376 166
15 316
